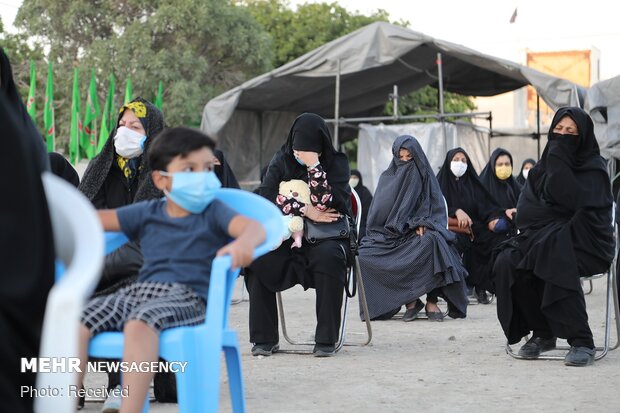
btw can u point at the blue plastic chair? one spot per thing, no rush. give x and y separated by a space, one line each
198 387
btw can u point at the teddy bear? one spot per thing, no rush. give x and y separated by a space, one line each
298 190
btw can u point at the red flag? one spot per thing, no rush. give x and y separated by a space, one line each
513 18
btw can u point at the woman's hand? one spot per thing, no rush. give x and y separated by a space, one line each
308 158
510 212
317 215
491 225
420 230
464 219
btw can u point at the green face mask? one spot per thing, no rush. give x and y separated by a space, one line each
503 172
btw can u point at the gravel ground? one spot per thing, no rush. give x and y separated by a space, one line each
454 366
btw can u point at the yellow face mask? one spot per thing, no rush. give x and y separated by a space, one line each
503 172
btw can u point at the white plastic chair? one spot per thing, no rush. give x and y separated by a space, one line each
78 240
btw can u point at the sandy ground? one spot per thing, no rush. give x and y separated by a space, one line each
454 366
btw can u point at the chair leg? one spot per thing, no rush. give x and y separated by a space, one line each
355 276
198 386
343 324
283 325
362 293
242 298
614 287
235 378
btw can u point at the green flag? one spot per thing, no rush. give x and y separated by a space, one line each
159 99
88 140
112 116
128 92
76 122
48 113
108 111
31 104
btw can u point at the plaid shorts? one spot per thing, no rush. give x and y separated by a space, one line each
160 305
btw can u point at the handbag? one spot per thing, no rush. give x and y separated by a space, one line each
315 232
453 225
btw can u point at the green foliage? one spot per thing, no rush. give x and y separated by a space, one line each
20 53
310 26
425 101
198 48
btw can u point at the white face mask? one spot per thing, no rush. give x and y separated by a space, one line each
458 168
129 144
526 173
353 181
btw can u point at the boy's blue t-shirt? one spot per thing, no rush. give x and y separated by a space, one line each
177 249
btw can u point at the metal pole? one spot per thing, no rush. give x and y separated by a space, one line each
538 124
337 106
440 76
490 133
441 109
395 101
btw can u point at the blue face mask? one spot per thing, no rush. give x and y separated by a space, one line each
193 191
299 161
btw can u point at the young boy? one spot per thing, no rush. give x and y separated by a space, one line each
179 236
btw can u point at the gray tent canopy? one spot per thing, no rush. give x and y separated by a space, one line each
603 104
251 121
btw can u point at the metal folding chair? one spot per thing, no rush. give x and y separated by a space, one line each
353 279
611 302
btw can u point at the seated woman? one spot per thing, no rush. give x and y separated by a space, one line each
498 180
408 251
365 198
62 168
307 155
473 207
565 228
527 164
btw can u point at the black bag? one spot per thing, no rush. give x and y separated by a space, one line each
315 232
165 387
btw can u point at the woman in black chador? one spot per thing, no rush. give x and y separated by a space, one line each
564 217
527 164
307 155
365 196
497 179
26 244
408 251
473 208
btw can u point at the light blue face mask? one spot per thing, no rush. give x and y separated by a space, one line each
193 191
299 161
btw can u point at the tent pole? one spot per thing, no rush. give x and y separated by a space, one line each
337 107
490 134
260 143
395 102
440 78
441 108
538 124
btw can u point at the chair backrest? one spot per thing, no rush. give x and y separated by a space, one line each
78 239
356 206
260 209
